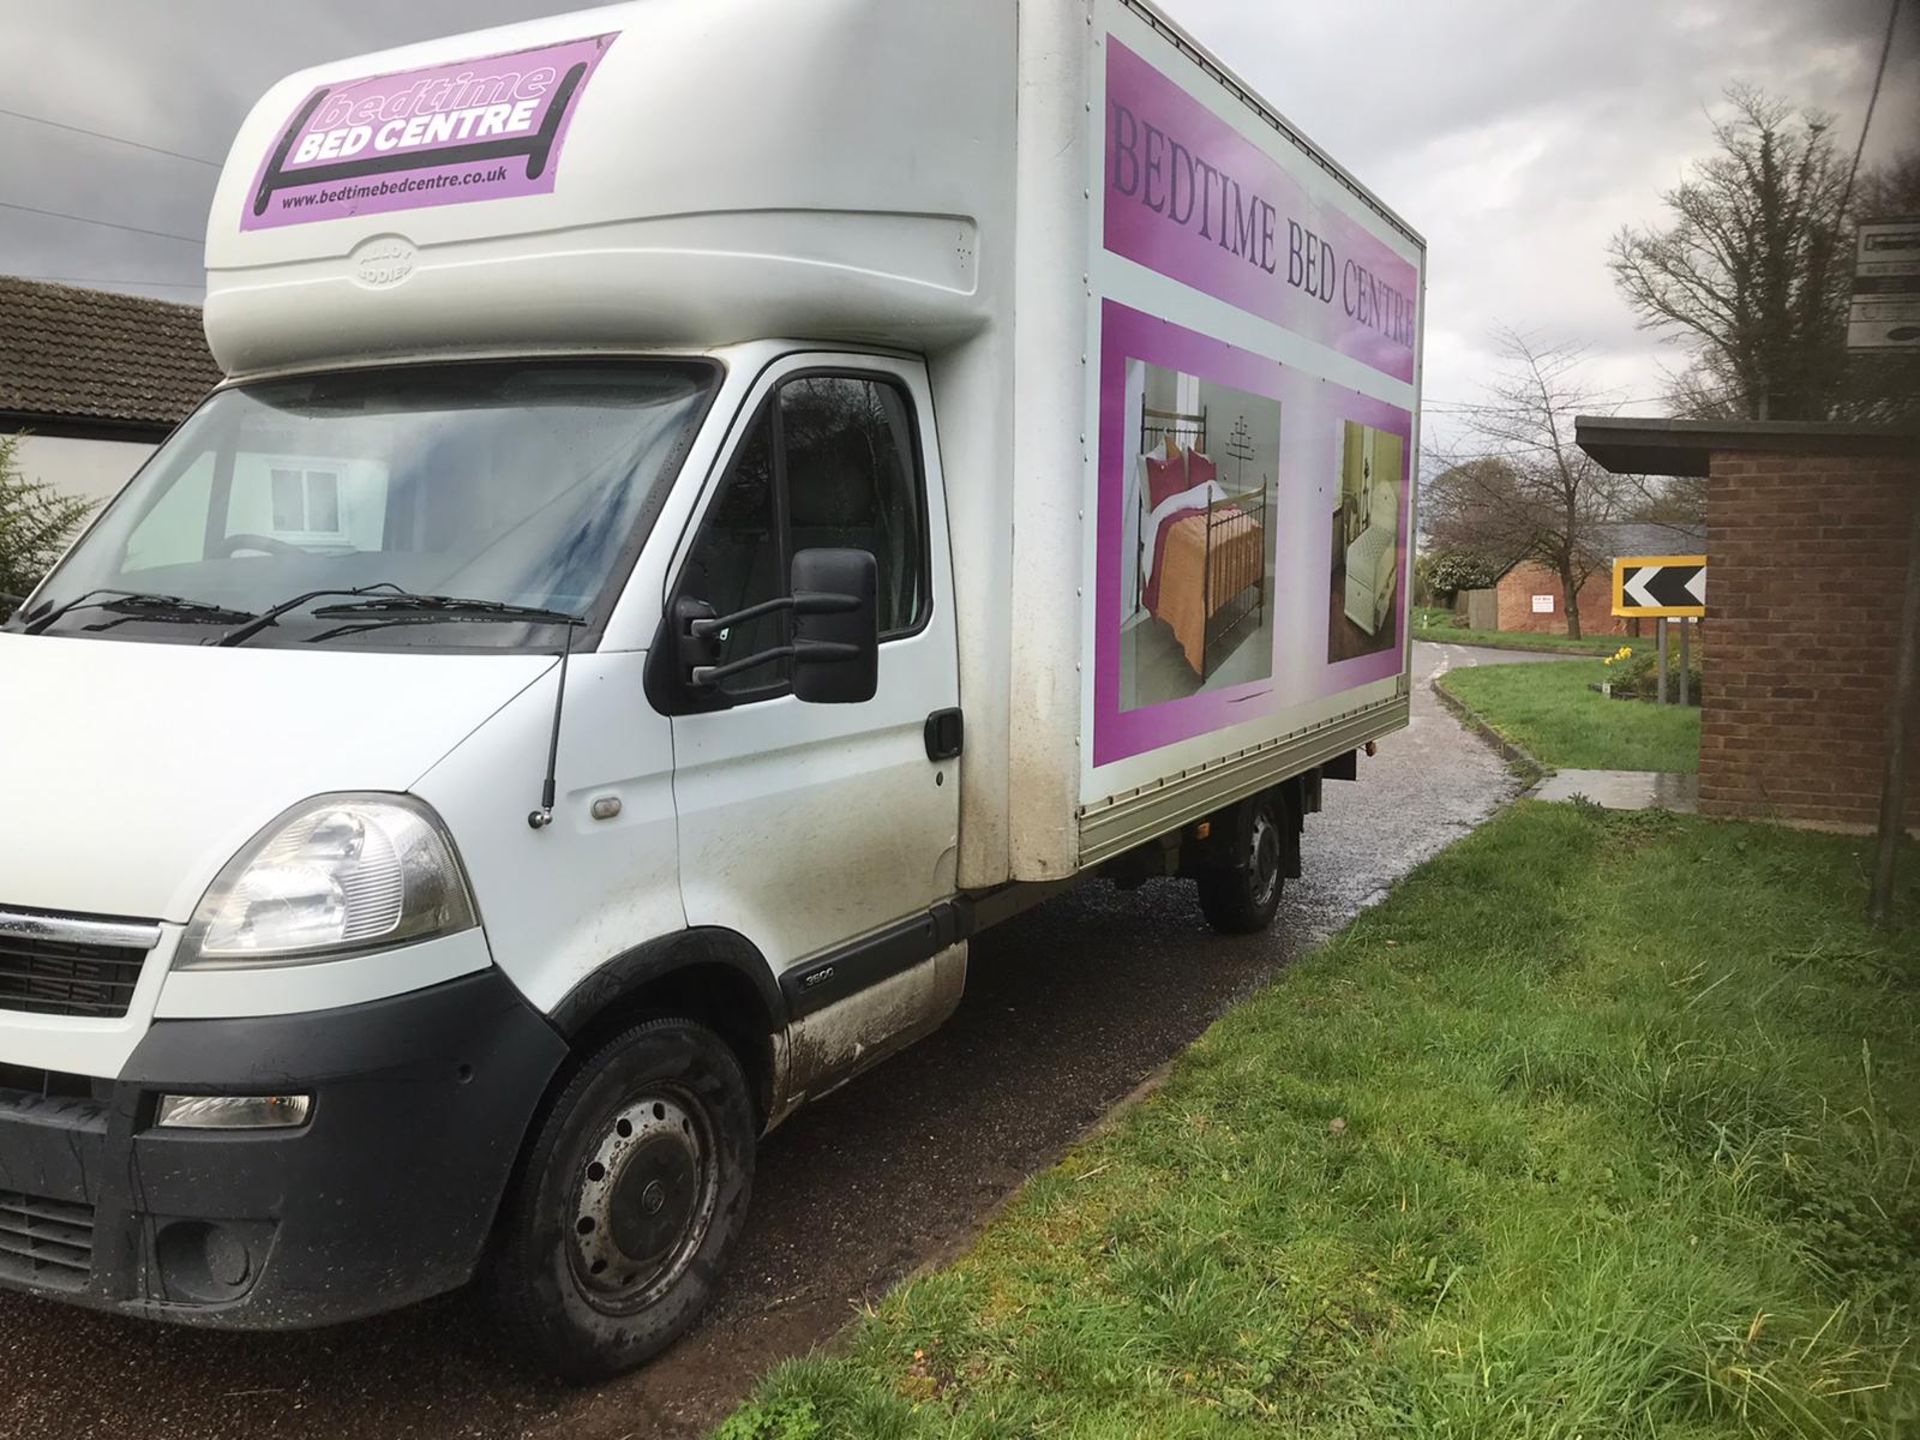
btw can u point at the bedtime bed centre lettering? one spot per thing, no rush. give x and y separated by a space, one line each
1166 175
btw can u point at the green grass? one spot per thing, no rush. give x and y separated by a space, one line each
1437 625
1602 1126
1548 711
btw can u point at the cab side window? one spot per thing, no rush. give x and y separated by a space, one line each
740 561
831 462
853 482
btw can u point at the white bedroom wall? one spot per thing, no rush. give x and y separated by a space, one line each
1264 418
1130 571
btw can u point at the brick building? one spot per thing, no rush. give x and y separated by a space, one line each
1530 598
1808 532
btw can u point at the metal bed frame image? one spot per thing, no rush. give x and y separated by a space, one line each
1225 614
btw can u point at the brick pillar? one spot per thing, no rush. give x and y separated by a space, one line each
1807 563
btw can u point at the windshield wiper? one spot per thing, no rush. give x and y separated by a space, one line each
408 609
272 614
387 604
141 605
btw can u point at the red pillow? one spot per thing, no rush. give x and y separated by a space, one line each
1165 479
1200 469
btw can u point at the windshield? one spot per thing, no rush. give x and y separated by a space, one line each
523 483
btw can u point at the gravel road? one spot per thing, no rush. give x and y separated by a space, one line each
1068 1009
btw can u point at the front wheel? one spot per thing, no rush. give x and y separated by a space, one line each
632 1196
1241 898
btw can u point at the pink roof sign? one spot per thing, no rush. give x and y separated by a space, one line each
1191 197
485 129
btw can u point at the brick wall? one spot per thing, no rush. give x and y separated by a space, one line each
1807 565
1530 578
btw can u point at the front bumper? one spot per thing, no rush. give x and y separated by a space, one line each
384 1197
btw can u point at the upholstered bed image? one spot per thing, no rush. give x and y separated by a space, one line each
1372 561
1202 548
1365 602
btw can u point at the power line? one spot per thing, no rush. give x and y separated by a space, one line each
104 280
115 139
1873 98
110 224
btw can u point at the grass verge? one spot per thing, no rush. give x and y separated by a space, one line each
1547 710
1602 1126
1437 626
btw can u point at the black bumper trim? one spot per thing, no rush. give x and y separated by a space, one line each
384 1197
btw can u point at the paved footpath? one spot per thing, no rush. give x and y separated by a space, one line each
1442 658
1068 1009
1610 789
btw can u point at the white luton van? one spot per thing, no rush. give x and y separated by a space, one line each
714 502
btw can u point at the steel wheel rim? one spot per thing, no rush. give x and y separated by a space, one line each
643 1202
1265 859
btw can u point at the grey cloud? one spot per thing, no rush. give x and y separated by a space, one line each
1516 134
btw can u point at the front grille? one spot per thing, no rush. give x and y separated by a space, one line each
71 964
45 1242
55 977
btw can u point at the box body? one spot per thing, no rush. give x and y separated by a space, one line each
1174 348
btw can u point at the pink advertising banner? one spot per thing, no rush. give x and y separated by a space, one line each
1252 539
485 129
1191 197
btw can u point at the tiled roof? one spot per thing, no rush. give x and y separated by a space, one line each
1647 537
72 354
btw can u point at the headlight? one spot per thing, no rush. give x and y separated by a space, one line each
336 875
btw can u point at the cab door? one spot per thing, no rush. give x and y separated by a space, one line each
824 833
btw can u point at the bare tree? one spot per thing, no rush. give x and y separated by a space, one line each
1891 192
1754 270
1520 488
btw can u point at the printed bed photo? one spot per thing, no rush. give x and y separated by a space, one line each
1365 602
1197 598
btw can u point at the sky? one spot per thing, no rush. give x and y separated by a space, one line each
1516 135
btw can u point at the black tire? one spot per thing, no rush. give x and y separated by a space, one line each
1241 899
629 1203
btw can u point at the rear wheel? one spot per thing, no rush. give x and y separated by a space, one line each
1240 898
632 1196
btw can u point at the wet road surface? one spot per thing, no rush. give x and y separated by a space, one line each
1069 1007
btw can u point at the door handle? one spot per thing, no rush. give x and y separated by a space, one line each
946 735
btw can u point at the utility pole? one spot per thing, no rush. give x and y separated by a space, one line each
1893 793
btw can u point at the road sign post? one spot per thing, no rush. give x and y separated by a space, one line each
1662 588
1893 789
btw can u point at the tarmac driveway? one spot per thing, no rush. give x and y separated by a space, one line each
1069 1008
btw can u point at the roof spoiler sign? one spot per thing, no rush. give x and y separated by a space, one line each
487 129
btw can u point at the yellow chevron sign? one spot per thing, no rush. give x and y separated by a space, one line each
1671 587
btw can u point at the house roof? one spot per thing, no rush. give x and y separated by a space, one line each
78 360
1646 537
1605 543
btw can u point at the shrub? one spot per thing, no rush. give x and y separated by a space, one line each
36 522
1450 573
1637 674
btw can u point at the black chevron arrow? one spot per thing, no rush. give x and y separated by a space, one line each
1667 584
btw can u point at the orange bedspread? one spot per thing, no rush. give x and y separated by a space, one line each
1182 599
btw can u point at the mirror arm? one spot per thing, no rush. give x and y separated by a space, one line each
827 651
809 602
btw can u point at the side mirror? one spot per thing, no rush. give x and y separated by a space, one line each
835 649
836 628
